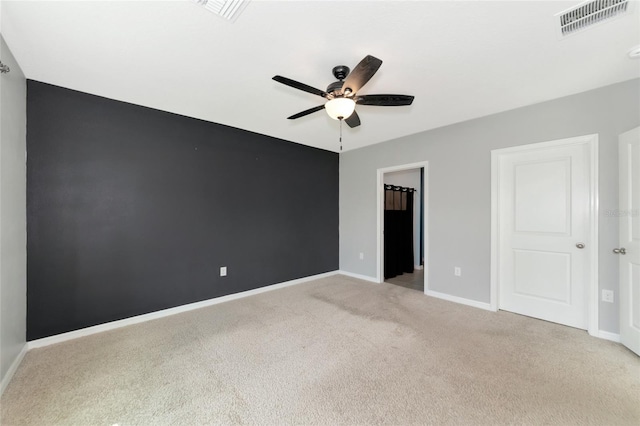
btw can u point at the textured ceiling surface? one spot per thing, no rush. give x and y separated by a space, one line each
460 59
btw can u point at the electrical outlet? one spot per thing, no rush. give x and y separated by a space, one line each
457 271
361 256
607 296
223 271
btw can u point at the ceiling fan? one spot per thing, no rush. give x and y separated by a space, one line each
342 95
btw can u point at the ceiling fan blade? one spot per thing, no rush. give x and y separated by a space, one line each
299 86
306 112
353 120
385 100
362 73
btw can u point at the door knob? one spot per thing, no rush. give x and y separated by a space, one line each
621 250
580 245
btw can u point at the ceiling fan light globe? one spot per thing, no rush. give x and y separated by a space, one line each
340 108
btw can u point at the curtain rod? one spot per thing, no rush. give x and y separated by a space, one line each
399 188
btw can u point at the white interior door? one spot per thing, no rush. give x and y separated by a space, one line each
629 248
544 230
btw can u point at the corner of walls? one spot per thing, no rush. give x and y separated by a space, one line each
6 379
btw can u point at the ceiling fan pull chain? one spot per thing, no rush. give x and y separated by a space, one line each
341 134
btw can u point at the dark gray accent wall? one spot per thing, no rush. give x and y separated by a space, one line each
131 210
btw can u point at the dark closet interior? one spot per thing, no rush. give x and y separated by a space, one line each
398 230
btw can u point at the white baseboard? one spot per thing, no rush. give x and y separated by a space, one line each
58 338
461 300
607 335
359 276
12 369
418 267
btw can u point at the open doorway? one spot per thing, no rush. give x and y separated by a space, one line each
402 236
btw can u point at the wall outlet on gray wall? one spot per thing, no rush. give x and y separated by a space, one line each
223 271
607 296
457 271
361 256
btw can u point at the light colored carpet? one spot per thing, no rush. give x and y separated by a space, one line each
332 351
414 280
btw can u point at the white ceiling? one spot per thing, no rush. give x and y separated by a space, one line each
460 59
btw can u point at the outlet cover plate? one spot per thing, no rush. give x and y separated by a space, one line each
607 296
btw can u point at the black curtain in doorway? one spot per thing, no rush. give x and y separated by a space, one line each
398 230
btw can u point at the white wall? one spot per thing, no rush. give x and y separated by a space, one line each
410 179
13 190
459 186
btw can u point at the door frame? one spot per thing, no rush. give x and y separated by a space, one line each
592 143
380 217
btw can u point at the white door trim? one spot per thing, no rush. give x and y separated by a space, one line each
592 142
425 215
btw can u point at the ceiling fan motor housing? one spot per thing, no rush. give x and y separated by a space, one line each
335 87
340 72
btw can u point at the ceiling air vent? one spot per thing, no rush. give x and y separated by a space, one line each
228 9
590 13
